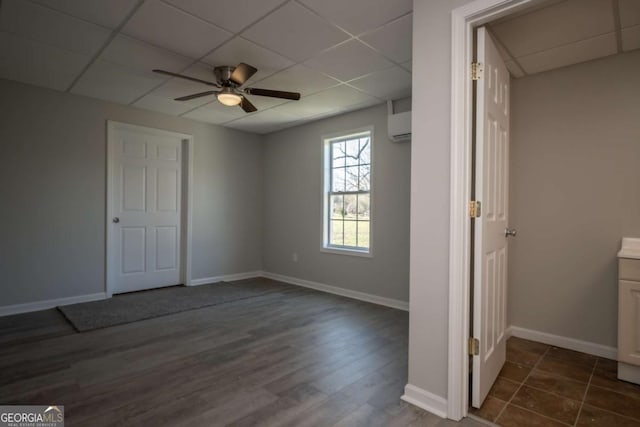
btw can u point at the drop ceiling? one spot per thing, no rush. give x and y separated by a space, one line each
560 33
342 55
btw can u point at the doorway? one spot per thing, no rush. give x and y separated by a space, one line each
465 20
148 208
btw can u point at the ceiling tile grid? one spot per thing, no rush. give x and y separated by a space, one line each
108 14
115 83
163 25
348 61
242 50
358 16
295 32
107 49
631 38
43 25
562 33
218 12
394 40
38 64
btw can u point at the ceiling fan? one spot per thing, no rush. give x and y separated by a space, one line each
228 83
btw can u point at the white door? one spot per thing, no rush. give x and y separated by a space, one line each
145 208
491 181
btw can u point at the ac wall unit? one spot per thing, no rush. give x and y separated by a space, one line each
398 125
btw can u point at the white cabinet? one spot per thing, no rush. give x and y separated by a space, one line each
629 311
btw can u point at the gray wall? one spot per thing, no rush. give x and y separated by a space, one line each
52 187
293 208
575 171
430 160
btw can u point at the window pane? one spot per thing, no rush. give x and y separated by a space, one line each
337 180
353 155
363 234
350 206
363 207
350 233
351 178
365 178
337 207
335 233
337 153
365 150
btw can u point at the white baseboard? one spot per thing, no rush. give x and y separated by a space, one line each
375 299
8 310
423 399
564 342
226 278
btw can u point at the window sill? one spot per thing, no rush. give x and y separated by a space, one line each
351 252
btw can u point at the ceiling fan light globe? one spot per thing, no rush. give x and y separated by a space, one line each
229 99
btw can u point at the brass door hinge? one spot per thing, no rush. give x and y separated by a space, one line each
475 209
474 346
476 71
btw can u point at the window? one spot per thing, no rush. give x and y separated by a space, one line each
347 193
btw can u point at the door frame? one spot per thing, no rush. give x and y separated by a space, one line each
186 202
464 20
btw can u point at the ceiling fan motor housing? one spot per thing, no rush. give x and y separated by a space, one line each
223 75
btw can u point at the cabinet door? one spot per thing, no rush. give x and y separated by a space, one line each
629 322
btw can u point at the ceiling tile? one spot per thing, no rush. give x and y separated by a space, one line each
165 26
264 122
240 50
393 40
162 105
631 38
201 71
215 113
265 102
298 79
47 26
38 64
231 16
162 97
390 84
175 88
327 101
349 61
357 16
553 26
112 82
629 13
294 32
514 69
109 14
573 53
142 56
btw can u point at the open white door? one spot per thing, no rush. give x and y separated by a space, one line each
491 186
145 223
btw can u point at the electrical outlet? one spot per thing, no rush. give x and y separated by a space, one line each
294 257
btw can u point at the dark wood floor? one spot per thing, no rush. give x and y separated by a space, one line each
291 357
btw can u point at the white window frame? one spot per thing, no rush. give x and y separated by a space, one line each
326 182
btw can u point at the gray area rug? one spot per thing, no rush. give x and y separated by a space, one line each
136 306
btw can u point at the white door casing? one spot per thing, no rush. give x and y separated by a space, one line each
491 183
144 223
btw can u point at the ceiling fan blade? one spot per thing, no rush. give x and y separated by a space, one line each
273 93
193 79
196 95
247 106
242 73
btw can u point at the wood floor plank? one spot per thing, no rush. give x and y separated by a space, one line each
291 356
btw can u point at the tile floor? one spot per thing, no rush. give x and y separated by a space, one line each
542 385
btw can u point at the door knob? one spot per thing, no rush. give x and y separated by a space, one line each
510 232
116 219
